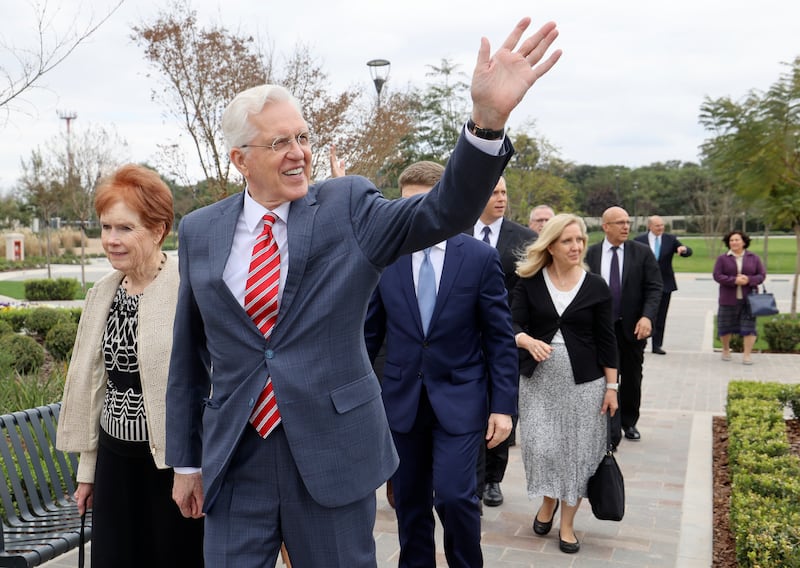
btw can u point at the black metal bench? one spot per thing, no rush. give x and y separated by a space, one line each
40 519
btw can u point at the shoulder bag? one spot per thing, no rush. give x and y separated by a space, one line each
762 304
606 488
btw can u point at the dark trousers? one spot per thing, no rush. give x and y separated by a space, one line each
661 320
492 463
436 471
631 359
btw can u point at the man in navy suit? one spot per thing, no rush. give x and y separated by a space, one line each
635 305
450 376
311 481
664 246
510 240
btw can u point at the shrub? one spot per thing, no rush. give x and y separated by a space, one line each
26 353
765 475
41 320
60 339
5 328
15 317
48 289
782 333
19 391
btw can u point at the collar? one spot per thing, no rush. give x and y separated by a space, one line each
254 212
607 246
494 226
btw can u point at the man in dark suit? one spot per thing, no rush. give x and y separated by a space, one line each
510 240
307 472
450 376
635 284
664 246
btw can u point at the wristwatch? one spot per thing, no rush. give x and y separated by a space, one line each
612 386
485 133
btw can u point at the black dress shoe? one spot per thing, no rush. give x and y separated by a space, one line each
631 433
492 495
541 528
659 351
568 547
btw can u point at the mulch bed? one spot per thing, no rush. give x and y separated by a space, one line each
724 555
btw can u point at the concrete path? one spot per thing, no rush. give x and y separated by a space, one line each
668 517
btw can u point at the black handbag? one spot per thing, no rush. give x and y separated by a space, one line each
762 304
606 488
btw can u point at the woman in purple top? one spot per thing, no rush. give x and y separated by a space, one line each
739 272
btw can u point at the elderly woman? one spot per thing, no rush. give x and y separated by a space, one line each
738 272
568 367
113 409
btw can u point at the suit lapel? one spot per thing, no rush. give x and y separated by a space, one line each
403 273
222 231
299 226
453 259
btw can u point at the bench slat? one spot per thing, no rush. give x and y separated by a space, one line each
40 518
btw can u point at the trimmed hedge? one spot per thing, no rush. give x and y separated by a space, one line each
782 333
49 289
765 476
26 354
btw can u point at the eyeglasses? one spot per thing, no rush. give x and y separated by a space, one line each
545 220
620 223
284 143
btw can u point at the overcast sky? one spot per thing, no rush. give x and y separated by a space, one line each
627 90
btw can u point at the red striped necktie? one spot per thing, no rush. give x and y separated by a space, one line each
261 304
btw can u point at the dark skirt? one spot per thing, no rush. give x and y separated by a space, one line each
135 522
736 319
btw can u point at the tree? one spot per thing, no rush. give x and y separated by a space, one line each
756 151
443 109
28 65
535 177
201 70
40 187
91 154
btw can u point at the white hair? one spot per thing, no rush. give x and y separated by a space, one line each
236 126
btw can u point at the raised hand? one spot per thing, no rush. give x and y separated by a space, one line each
500 81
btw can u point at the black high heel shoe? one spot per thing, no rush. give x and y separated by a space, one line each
541 528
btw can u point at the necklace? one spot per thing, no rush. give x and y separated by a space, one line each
126 282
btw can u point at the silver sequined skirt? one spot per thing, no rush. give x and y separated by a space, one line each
563 434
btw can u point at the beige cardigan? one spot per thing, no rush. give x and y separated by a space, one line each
84 391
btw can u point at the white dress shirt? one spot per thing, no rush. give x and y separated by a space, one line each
248 228
494 227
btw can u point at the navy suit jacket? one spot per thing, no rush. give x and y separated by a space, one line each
669 248
511 243
641 283
468 356
340 237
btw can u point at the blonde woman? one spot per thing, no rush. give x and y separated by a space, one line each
568 360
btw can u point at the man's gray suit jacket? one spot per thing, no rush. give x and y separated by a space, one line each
340 237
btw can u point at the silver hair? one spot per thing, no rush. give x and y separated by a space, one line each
236 126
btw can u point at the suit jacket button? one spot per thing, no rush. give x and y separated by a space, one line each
269 354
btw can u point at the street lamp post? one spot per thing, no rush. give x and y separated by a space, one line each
379 71
616 176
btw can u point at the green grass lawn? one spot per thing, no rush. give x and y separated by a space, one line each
705 250
782 256
16 289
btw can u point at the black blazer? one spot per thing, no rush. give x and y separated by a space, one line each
585 324
641 282
511 243
669 248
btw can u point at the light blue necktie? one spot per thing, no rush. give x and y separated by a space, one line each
658 247
426 290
